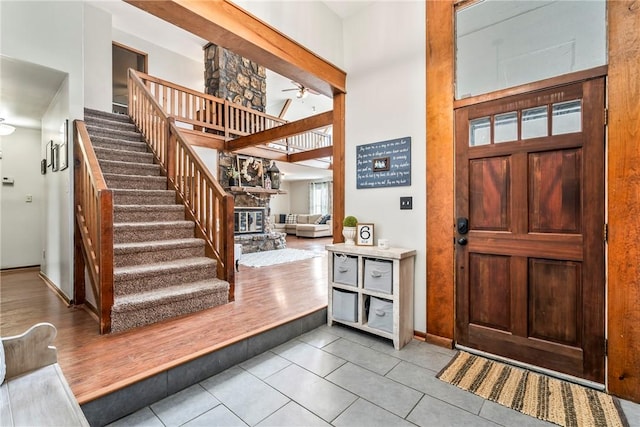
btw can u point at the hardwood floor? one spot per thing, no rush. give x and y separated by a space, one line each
95 365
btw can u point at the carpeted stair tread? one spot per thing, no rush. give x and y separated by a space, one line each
146 270
88 112
173 293
119 144
114 133
150 225
156 245
128 168
152 231
124 196
133 182
143 213
123 155
107 123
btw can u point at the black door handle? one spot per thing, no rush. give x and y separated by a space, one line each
462 241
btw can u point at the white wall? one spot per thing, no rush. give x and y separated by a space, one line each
281 203
21 222
385 64
97 59
310 23
51 34
164 63
299 197
57 261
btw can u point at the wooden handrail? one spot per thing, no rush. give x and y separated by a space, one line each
93 205
208 205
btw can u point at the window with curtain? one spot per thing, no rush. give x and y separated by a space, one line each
321 197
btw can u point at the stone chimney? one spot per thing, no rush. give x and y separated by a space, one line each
229 76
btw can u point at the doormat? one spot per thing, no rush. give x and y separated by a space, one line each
534 394
278 256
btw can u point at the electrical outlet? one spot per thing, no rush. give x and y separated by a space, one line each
406 202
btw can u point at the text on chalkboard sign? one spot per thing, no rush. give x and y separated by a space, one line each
384 164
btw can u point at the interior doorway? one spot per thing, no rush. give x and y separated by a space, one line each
123 58
530 219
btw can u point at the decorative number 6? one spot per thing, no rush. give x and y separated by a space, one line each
365 233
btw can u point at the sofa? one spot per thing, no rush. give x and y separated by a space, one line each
304 225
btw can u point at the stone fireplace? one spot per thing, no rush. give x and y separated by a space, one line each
252 221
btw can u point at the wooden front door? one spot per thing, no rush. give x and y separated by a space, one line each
530 221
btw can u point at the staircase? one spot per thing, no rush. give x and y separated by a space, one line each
160 269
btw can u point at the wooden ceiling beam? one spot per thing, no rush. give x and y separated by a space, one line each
318 153
281 132
227 25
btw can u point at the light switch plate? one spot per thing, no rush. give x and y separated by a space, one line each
406 202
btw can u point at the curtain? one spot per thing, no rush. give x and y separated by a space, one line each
321 197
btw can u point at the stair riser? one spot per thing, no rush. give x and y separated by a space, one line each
119 156
130 236
144 284
114 144
146 316
115 134
112 125
138 199
140 216
130 169
137 183
146 257
103 115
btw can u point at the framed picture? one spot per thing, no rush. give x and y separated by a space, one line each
64 146
49 153
251 171
55 158
381 164
364 234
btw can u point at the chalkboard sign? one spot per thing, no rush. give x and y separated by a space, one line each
384 164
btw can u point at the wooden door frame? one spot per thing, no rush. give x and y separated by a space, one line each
623 280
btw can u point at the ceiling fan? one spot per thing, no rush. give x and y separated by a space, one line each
302 90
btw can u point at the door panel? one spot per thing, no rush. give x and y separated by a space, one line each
529 176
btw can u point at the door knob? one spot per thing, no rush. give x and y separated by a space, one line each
462 241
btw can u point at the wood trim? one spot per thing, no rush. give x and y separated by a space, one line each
281 132
56 290
284 109
318 153
339 106
201 139
440 164
228 25
623 199
546 84
439 341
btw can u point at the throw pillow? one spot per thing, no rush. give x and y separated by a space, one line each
324 219
319 220
292 219
282 218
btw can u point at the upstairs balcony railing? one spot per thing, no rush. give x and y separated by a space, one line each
212 114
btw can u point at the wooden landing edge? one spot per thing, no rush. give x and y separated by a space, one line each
56 290
96 394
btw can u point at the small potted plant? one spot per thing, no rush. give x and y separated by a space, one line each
349 229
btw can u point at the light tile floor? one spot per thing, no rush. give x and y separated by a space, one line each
335 376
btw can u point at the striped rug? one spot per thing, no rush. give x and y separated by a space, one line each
534 394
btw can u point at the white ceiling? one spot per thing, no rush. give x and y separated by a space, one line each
26 90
